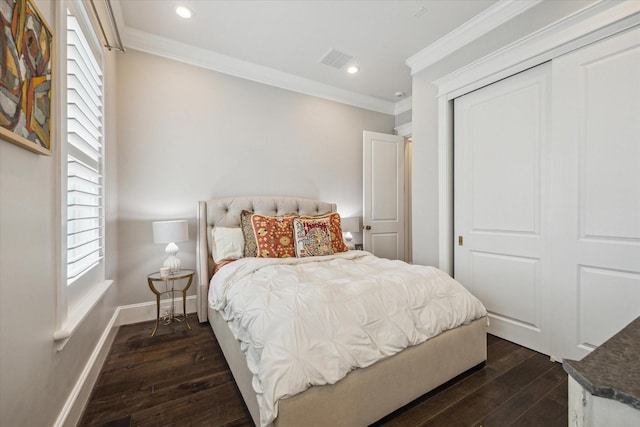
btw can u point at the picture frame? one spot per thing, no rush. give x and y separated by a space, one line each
26 78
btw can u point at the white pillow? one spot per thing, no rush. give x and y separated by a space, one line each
227 243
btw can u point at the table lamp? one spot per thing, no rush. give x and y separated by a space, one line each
350 225
171 232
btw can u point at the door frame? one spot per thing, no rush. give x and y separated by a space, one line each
592 23
406 130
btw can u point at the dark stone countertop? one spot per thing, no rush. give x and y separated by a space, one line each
612 370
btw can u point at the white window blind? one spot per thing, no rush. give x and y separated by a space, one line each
85 203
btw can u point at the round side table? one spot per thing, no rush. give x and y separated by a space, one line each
169 286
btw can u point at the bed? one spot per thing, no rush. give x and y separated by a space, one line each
365 394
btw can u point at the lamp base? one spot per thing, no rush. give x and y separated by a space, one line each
172 262
348 240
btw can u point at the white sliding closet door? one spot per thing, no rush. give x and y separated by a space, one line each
547 198
596 196
500 203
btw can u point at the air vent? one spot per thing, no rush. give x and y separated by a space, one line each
335 59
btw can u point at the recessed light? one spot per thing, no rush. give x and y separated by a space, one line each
353 69
183 12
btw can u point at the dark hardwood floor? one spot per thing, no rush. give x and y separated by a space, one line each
180 378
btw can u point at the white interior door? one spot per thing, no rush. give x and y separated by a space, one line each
500 203
596 196
383 186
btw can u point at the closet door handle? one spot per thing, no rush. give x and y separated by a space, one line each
367 227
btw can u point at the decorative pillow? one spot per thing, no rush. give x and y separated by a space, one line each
274 236
337 240
250 246
227 243
312 236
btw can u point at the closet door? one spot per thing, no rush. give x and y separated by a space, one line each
595 256
500 203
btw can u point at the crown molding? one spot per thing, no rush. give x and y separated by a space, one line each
587 25
405 129
479 25
402 106
171 49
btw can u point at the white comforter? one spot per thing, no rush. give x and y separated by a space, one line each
309 321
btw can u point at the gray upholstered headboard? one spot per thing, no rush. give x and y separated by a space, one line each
226 213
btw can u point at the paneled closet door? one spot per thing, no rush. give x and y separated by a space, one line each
500 203
595 256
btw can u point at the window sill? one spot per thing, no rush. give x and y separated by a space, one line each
78 313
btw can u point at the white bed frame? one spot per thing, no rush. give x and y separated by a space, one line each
364 395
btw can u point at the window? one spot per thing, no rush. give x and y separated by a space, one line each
82 156
85 208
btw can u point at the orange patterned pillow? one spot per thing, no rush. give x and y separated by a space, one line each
337 240
274 236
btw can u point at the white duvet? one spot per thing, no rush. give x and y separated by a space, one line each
309 321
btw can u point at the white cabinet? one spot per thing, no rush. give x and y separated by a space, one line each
604 387
587 410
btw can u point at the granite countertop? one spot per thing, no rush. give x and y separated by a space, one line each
612 370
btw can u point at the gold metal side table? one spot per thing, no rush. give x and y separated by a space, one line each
170 288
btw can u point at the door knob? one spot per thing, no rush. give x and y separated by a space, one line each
367 227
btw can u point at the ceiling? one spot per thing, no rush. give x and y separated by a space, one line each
289 38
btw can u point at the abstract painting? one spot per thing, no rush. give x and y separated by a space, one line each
26 54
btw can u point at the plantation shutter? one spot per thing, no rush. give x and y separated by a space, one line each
85 203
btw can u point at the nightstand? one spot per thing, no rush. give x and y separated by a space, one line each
170 288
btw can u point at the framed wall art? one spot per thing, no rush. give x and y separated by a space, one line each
26 64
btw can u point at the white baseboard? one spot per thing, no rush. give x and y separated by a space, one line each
145 311
79 396
123 315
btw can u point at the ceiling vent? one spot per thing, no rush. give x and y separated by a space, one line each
335 59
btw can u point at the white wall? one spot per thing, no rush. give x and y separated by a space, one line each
424 180
187 134
36 379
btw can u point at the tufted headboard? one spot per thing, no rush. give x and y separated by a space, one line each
226 213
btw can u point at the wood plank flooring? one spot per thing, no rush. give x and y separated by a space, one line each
180 378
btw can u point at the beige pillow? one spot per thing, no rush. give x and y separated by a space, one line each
227 243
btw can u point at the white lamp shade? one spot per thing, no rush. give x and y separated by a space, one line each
170 231
350 225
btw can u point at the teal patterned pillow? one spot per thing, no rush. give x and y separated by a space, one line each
312 236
